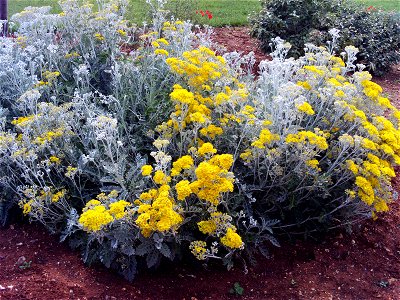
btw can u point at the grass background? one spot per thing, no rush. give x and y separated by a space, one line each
225 12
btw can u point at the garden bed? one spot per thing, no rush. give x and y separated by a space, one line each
363 266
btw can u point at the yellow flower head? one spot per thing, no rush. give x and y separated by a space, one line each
99 37
199 249
117 209
304 84
183 189
54 160
306 108
95 218
27 207
206 148
146 170
160 177
313 163
207 227
232 239
161 52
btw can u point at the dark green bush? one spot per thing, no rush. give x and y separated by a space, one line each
375 33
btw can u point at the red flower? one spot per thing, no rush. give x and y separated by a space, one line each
206 13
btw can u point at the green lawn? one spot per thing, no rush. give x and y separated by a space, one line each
384 4
15 6
225 12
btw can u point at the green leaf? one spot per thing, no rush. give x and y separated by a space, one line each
153 259
144 248
238 289
164 250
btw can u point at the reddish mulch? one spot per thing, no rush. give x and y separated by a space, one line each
391 85
238 39
365 265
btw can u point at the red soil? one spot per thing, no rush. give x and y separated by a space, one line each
365 265
238 39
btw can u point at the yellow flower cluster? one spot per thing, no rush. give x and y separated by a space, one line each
211 131
337 61
41 83
162 52
95 214
304 84
157 211
307 136
388 138
183 189
27 207
99 37
200 173
201 66
71 171
122 32
207 227
366 191
183 163
172 26
315 69
190 108
216 224
373 176
117 209
21 40
313 163
39 199
265 138
94 218
381 143
232 239
147 170
158 44
72 55
23 121
306 108
352 166
57 196
371 89
50 76
49 136
199 249
161 178
213 178
54 159
206 148
219 225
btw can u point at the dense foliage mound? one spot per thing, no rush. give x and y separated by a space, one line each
375 33
171 149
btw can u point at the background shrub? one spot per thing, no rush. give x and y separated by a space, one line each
375 33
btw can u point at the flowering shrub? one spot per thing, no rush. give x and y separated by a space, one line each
172 149
375 33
